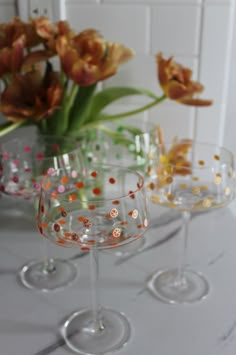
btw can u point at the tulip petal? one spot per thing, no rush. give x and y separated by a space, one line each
176 83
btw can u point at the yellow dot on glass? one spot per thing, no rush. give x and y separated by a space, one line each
217 180
170 197
169 179
203 188
183 186
155 199
201 162
206 203
195 190
151 186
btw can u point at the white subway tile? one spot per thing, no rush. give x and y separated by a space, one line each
7 12
126 24
6 2
186 2
176 29
208 124
175 119
69 2
140 72
218 2
214 67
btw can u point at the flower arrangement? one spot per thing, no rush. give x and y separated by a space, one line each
50 76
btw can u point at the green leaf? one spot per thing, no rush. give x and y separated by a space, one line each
109 95
103 117
81 107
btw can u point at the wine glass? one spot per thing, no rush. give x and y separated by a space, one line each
105 209
190 177
23 163
124 148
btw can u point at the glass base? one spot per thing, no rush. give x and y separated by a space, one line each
83 337
35 276
191 288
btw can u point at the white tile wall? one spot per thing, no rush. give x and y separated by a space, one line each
186 2
7 10
175 29
214 69
196 32
7 2
114 22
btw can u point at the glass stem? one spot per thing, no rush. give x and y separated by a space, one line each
97 324
186 216
48 265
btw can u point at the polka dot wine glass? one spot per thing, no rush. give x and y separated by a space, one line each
105 209
23 163
99 147
188 176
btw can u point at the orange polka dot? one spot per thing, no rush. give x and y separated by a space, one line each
112 180
72 197
116 202
47 184
79 185
92 207
91 241
123 223
85 248
54 195
64 179
97 191
68 234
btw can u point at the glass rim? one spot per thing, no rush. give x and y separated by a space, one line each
195 142
33 142
140 182
229 157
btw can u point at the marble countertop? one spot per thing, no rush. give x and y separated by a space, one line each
30 320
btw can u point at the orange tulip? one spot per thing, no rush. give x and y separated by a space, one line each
49 33
176 83
31 96
10 32
87 58
15 37
11 59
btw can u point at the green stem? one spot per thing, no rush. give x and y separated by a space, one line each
130 113
71 99
9 127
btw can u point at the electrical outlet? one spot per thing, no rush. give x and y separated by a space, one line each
54 9
39 8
